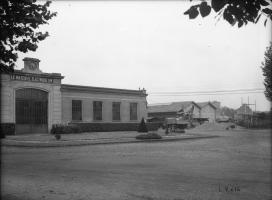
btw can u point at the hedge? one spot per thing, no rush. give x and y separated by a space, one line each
148 136
65 129
7 129
99 127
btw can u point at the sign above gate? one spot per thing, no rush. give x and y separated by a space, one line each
32 73
32 78
53 78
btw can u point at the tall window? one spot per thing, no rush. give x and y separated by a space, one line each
116 111
76 110
133 111
97 110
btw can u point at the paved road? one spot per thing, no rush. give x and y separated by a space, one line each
198 169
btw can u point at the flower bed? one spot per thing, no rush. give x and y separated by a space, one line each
148 136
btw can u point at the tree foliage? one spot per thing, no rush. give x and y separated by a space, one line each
267 72
227 111
142 127
238 12
19 28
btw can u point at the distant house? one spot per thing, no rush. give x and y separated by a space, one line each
243 113
201 111
217 104
175 109
208 110
244 116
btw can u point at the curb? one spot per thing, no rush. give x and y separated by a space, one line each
85 143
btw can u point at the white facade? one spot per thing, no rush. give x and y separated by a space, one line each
60 97
88 95
10 83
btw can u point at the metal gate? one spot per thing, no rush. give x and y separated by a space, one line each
31 111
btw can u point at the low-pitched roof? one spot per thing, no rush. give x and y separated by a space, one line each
203 104
81 88
172 107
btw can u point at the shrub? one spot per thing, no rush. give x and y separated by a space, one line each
142 127
7 129
57 136
2 135
232 126
65 129
98 127
72 128
57 129
148 136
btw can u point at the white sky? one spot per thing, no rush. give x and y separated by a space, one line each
132 44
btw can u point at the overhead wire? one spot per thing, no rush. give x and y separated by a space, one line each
215 92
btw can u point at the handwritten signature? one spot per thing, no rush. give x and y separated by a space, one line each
229 188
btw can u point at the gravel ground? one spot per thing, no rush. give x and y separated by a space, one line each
236 165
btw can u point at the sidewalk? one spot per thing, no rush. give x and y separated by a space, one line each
94 138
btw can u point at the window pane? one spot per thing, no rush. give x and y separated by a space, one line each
133 111
76 110
116 111
97 110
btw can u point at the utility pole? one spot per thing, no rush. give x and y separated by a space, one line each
256 119
250 115
244 116
247 112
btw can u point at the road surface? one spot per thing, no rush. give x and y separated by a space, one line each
236 165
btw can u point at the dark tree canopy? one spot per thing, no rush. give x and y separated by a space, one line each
142 127
20 21
238 12
267 72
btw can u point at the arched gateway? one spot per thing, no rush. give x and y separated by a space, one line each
30 99
31 110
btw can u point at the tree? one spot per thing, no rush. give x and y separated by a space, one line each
233 11
20 21
142 127
267 72
227 111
